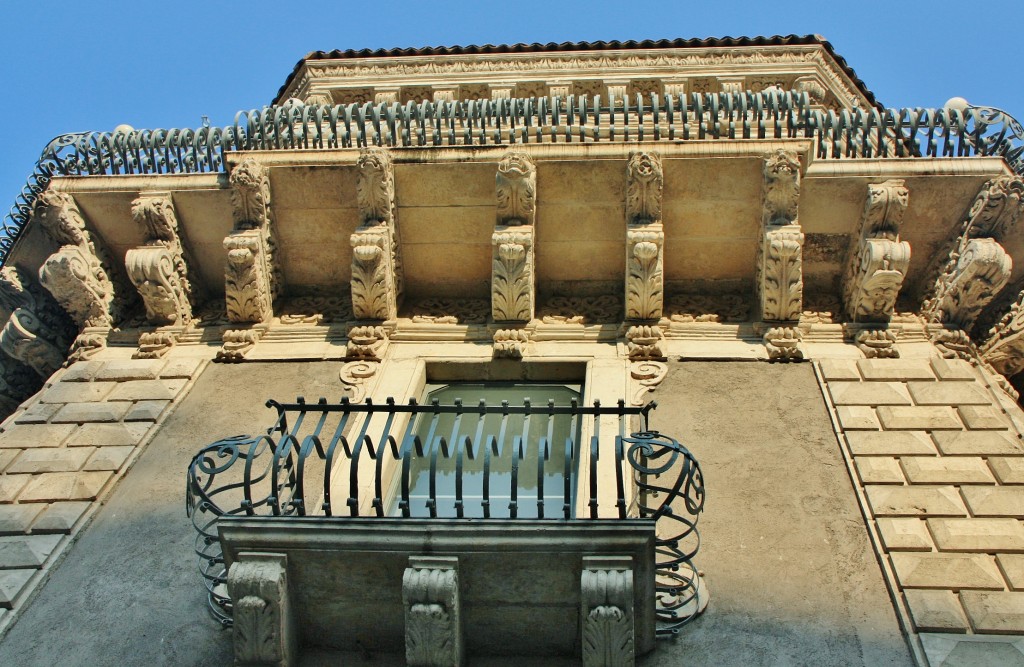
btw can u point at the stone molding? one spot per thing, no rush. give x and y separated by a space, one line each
80 275
977 266
878 262
252 279
606 610
780 252
264 628
159 270
433 612
645 237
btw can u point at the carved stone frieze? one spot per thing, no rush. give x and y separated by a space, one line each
602 308
878 261
375 196
877 343
264 628
316 309
1004 348
80 275
512 274
252 278
646 375
367 342
433 612
159 270
29 341
643 343
606 608
439 310
780 253
355 375
516 188
783 343
686 308
510 343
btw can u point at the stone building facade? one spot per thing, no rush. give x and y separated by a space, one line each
636 220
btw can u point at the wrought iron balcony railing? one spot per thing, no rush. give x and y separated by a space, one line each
366 461
772 114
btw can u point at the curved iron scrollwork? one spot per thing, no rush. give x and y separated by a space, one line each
675 505
850 133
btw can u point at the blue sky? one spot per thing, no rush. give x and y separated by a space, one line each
72 66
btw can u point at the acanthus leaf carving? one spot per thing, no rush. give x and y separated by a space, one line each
263 628
375 196
516 186
780 253
606 607
781 188
373 293
247 291
25 338
512 287
433 611
644 272
39 331
158 269
980 271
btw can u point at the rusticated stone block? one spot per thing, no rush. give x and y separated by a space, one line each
857 418
983 418
947 571
890 443
40 413
146 390
131 369
870 393
26 551
6 456
108 435
1012 566
977 443
904 534
948 393
16 519
995 500
146 411
1009 469
12 582
997 612
81 371
982 535
839 369
29 436
936 611
80 413
55 459
895 369
59 517
946 470
915 501
879 470
109 458
55 486
11 486
952 369
918 418
183 368
77 392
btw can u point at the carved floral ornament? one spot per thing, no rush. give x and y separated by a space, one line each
644 184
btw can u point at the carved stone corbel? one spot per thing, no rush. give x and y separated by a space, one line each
877 343
80 275
878 259
367 342
643 343
375 195
252 278
264 625
512 266
238 342
156 344
510 343
780 255
783 343
158 270
645 237
433 612
977 267
607 613
373 288
38 332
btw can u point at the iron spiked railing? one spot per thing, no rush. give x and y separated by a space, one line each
384 461
771 114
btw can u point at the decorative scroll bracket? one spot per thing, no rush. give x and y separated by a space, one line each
433 612
645 237
374 288
375 195
158 270
607 613
252 278
512 270
264 627
38 332
646 375
780 255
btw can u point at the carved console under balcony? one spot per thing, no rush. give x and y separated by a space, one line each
433 612
512 261
780 255
252 279
377 281
80 275
264 627
158 269
645 237
977 267
606 606
38 332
